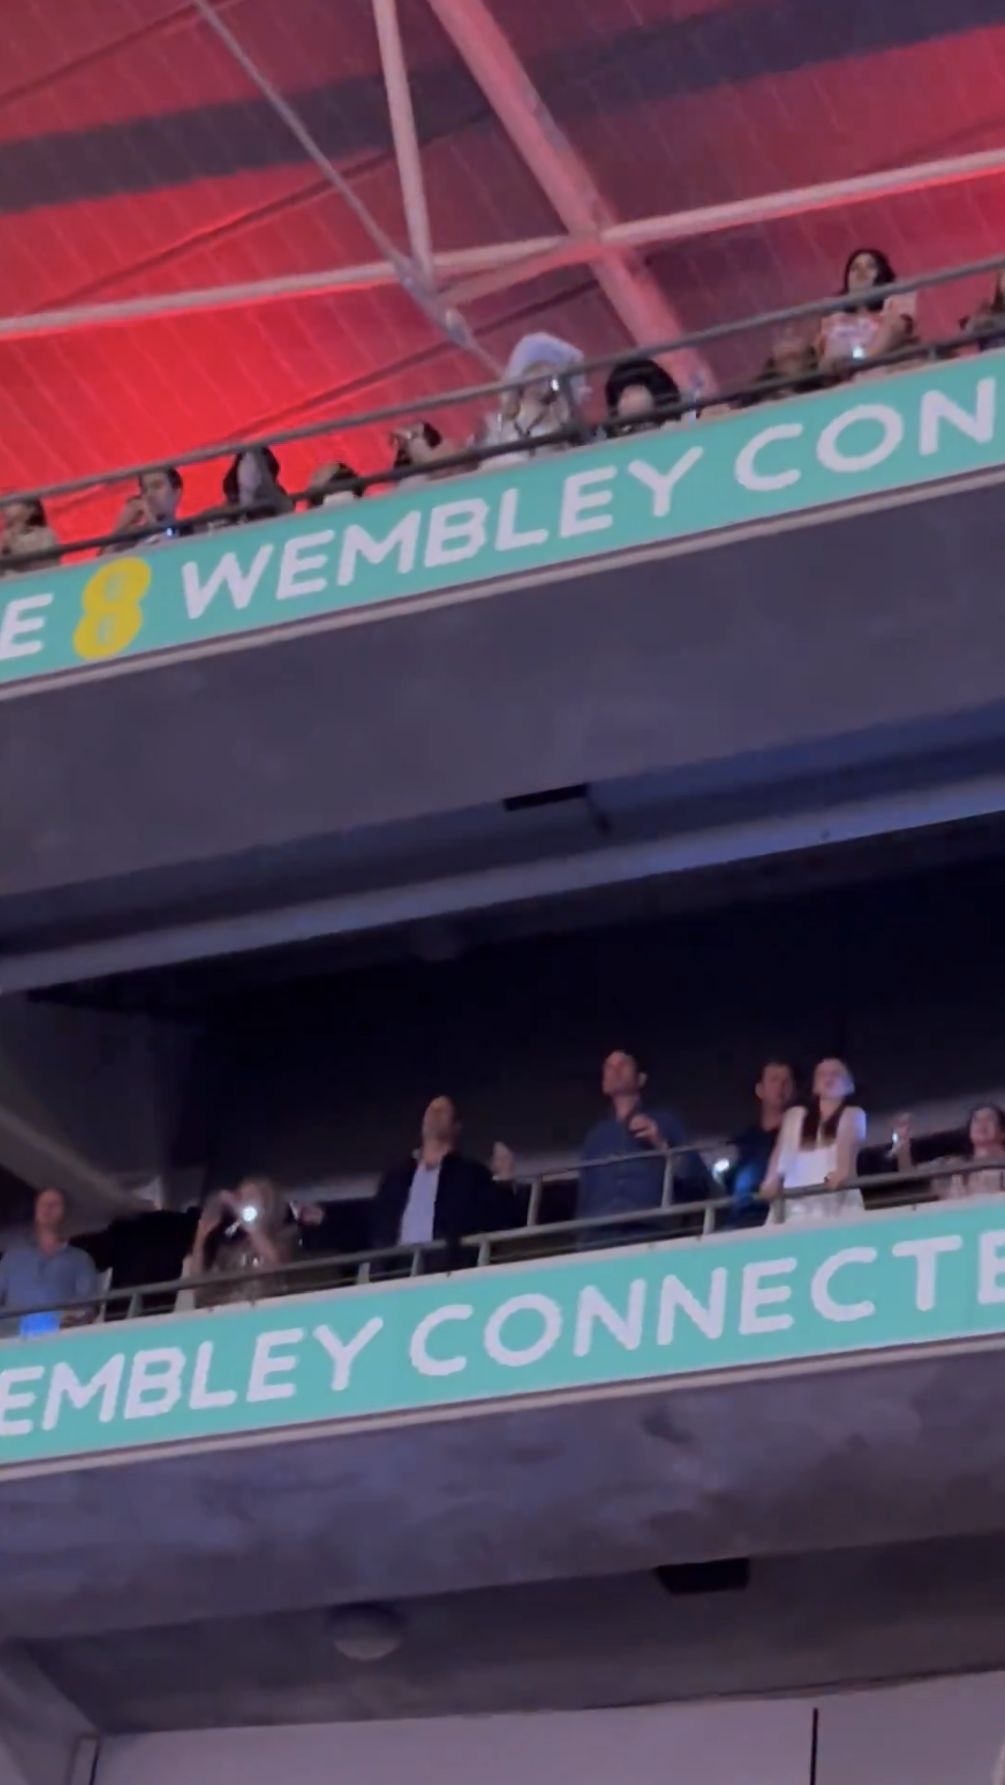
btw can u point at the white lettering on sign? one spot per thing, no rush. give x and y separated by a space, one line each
937 408
820 1287
14 1399
300 557
65 1386
201 1395
358 542
344 1352
228 574
457 530
661 484
991 1277
265 1364
709 1318
925 1252
418 1350
154 1382
593 1309
746 468
580 500
518 1356
20 624
754 1296
834 458
508 535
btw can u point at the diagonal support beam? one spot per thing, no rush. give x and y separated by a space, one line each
563 176
446 318
406 142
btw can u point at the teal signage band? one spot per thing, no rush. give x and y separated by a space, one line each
673 483
649 1314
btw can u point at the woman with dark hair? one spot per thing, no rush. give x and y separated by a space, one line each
818 1144
640 394
417 447
252 483
26 531
985 1139
876 326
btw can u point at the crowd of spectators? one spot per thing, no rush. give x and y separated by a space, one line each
546 410
802 1159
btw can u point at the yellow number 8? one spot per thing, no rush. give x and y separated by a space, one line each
111 610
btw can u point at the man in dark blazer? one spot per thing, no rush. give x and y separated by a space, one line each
438 1194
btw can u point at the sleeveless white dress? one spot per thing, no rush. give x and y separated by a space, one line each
805 1167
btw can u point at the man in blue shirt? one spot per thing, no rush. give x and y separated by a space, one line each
775 1091
633 1182
45 1272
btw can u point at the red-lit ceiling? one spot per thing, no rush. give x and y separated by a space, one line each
136 157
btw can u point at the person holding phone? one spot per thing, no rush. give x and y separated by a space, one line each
241 1231
625 1157
876 325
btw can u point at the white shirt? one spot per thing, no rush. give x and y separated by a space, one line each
420 1209
803 1167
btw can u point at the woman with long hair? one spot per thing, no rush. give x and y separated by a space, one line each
25 532
818 1145
252 483
985 1140
872 327
241 1231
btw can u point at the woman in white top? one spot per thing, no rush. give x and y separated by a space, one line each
818 1143
876 326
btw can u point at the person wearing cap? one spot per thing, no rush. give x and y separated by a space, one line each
549 390
640 394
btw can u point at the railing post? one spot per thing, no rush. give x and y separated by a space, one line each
667 1196
534 1205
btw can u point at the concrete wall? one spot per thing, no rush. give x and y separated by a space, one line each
941 1732
87 1097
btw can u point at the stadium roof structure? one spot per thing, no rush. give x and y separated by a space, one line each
223 217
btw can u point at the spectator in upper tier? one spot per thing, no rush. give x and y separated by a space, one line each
151 515
818 1144
242 1231
640 394
252 483
438 1193
547 398
791 369
987 323
45 1272
876 326
985 1139
419 446
754 1147
26 531
333 486
625 1156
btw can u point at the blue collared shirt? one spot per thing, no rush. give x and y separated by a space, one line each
30 1278
635 1183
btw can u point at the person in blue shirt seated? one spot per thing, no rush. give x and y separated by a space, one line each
43 1273
625 1157
753 1146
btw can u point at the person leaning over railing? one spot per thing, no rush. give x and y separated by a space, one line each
252 483
438 1193
547 398
26 531
874 327
985 1139
154 505
241 1231
45 1272
754 1147
624 1162
640 394
818 1144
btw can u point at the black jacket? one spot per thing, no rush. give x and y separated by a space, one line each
467 1201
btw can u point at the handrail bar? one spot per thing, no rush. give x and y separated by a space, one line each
574 434
478 392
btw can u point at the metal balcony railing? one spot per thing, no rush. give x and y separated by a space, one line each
695 1219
